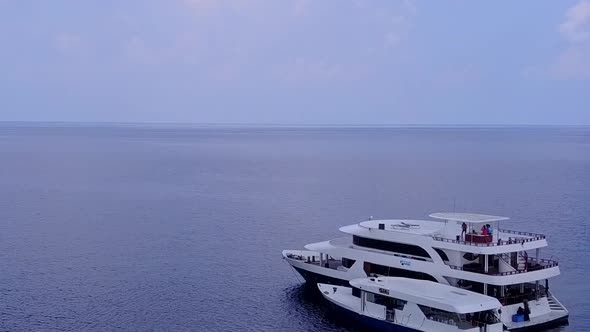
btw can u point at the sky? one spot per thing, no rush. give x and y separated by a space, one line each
344 62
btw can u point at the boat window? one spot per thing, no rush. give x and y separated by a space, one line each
487 317
442 254
389 302
347 262
371 268
463 321
402 248
441 316
470 256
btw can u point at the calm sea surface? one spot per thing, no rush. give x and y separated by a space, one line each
153 228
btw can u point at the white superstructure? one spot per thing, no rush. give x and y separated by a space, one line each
505 264
402 304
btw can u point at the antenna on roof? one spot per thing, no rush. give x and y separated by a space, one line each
454 201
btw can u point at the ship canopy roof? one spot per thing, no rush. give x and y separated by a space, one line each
467 217
428 293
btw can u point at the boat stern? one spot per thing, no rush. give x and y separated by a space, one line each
546 312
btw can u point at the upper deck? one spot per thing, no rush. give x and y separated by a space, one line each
447 233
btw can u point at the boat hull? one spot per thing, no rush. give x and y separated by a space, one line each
372 323
316 278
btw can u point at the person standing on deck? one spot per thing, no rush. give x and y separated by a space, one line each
463 231
484 230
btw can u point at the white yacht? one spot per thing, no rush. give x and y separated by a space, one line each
402 304
503 263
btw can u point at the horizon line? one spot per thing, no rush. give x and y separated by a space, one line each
286 125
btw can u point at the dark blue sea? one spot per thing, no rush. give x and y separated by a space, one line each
180 228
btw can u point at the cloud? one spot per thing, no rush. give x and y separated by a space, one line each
576 27
574 61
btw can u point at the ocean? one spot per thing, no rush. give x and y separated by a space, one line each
107 227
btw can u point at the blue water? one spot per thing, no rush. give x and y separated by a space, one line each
179 228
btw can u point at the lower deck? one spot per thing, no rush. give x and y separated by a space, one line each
334 272
389 314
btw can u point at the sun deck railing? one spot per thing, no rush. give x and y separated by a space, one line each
535 236
546 263
500 242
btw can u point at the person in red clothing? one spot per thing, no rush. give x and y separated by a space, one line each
484 230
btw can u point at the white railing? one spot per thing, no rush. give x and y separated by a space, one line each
529 237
